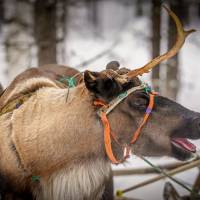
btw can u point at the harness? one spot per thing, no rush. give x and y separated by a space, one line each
67 81
104 110
15 104
107 108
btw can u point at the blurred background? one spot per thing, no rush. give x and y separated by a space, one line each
87 34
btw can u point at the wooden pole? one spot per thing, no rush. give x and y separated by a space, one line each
98 56
170 173
146 170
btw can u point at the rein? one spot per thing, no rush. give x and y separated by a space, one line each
107 108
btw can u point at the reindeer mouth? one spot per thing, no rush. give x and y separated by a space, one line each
182 149
184 144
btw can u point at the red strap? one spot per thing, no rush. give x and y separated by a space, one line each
146 116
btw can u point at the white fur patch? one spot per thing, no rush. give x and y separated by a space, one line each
84 181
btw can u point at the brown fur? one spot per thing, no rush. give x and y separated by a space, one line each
27 130
19 86
52 72
62 141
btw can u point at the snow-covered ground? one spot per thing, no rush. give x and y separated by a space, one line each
132 50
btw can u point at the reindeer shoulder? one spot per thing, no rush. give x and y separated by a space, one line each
28 82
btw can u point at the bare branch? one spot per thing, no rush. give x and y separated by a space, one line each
98 56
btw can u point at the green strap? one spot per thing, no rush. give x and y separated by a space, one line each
35 178
70 81
158 169
122 95
147 89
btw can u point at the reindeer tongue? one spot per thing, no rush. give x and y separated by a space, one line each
184 143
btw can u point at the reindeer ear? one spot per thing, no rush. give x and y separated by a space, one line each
101 85
90 79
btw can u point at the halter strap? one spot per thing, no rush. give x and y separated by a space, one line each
146 116
105 109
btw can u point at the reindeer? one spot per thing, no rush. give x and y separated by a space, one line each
58 143
55 73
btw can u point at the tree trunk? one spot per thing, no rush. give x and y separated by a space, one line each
172 76
92 10
62 16
139 11
1 13
198 7
18 36
45 30
156 19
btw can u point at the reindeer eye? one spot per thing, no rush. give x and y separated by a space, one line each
108 83
139 101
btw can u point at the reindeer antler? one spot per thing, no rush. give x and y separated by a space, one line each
181 36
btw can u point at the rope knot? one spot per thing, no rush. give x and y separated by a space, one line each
69 81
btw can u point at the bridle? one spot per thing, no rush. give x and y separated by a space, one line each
105 109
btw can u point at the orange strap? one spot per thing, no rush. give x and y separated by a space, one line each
107 131
146 116
100 103
107 139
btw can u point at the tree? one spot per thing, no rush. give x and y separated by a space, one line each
198 7
93 14
1 13
18 38
139 10
156 19
45 31
61 21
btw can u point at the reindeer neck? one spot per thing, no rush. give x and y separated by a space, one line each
53 125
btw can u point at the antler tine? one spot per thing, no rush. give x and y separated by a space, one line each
181 36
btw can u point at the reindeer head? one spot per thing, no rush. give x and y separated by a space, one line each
169 125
